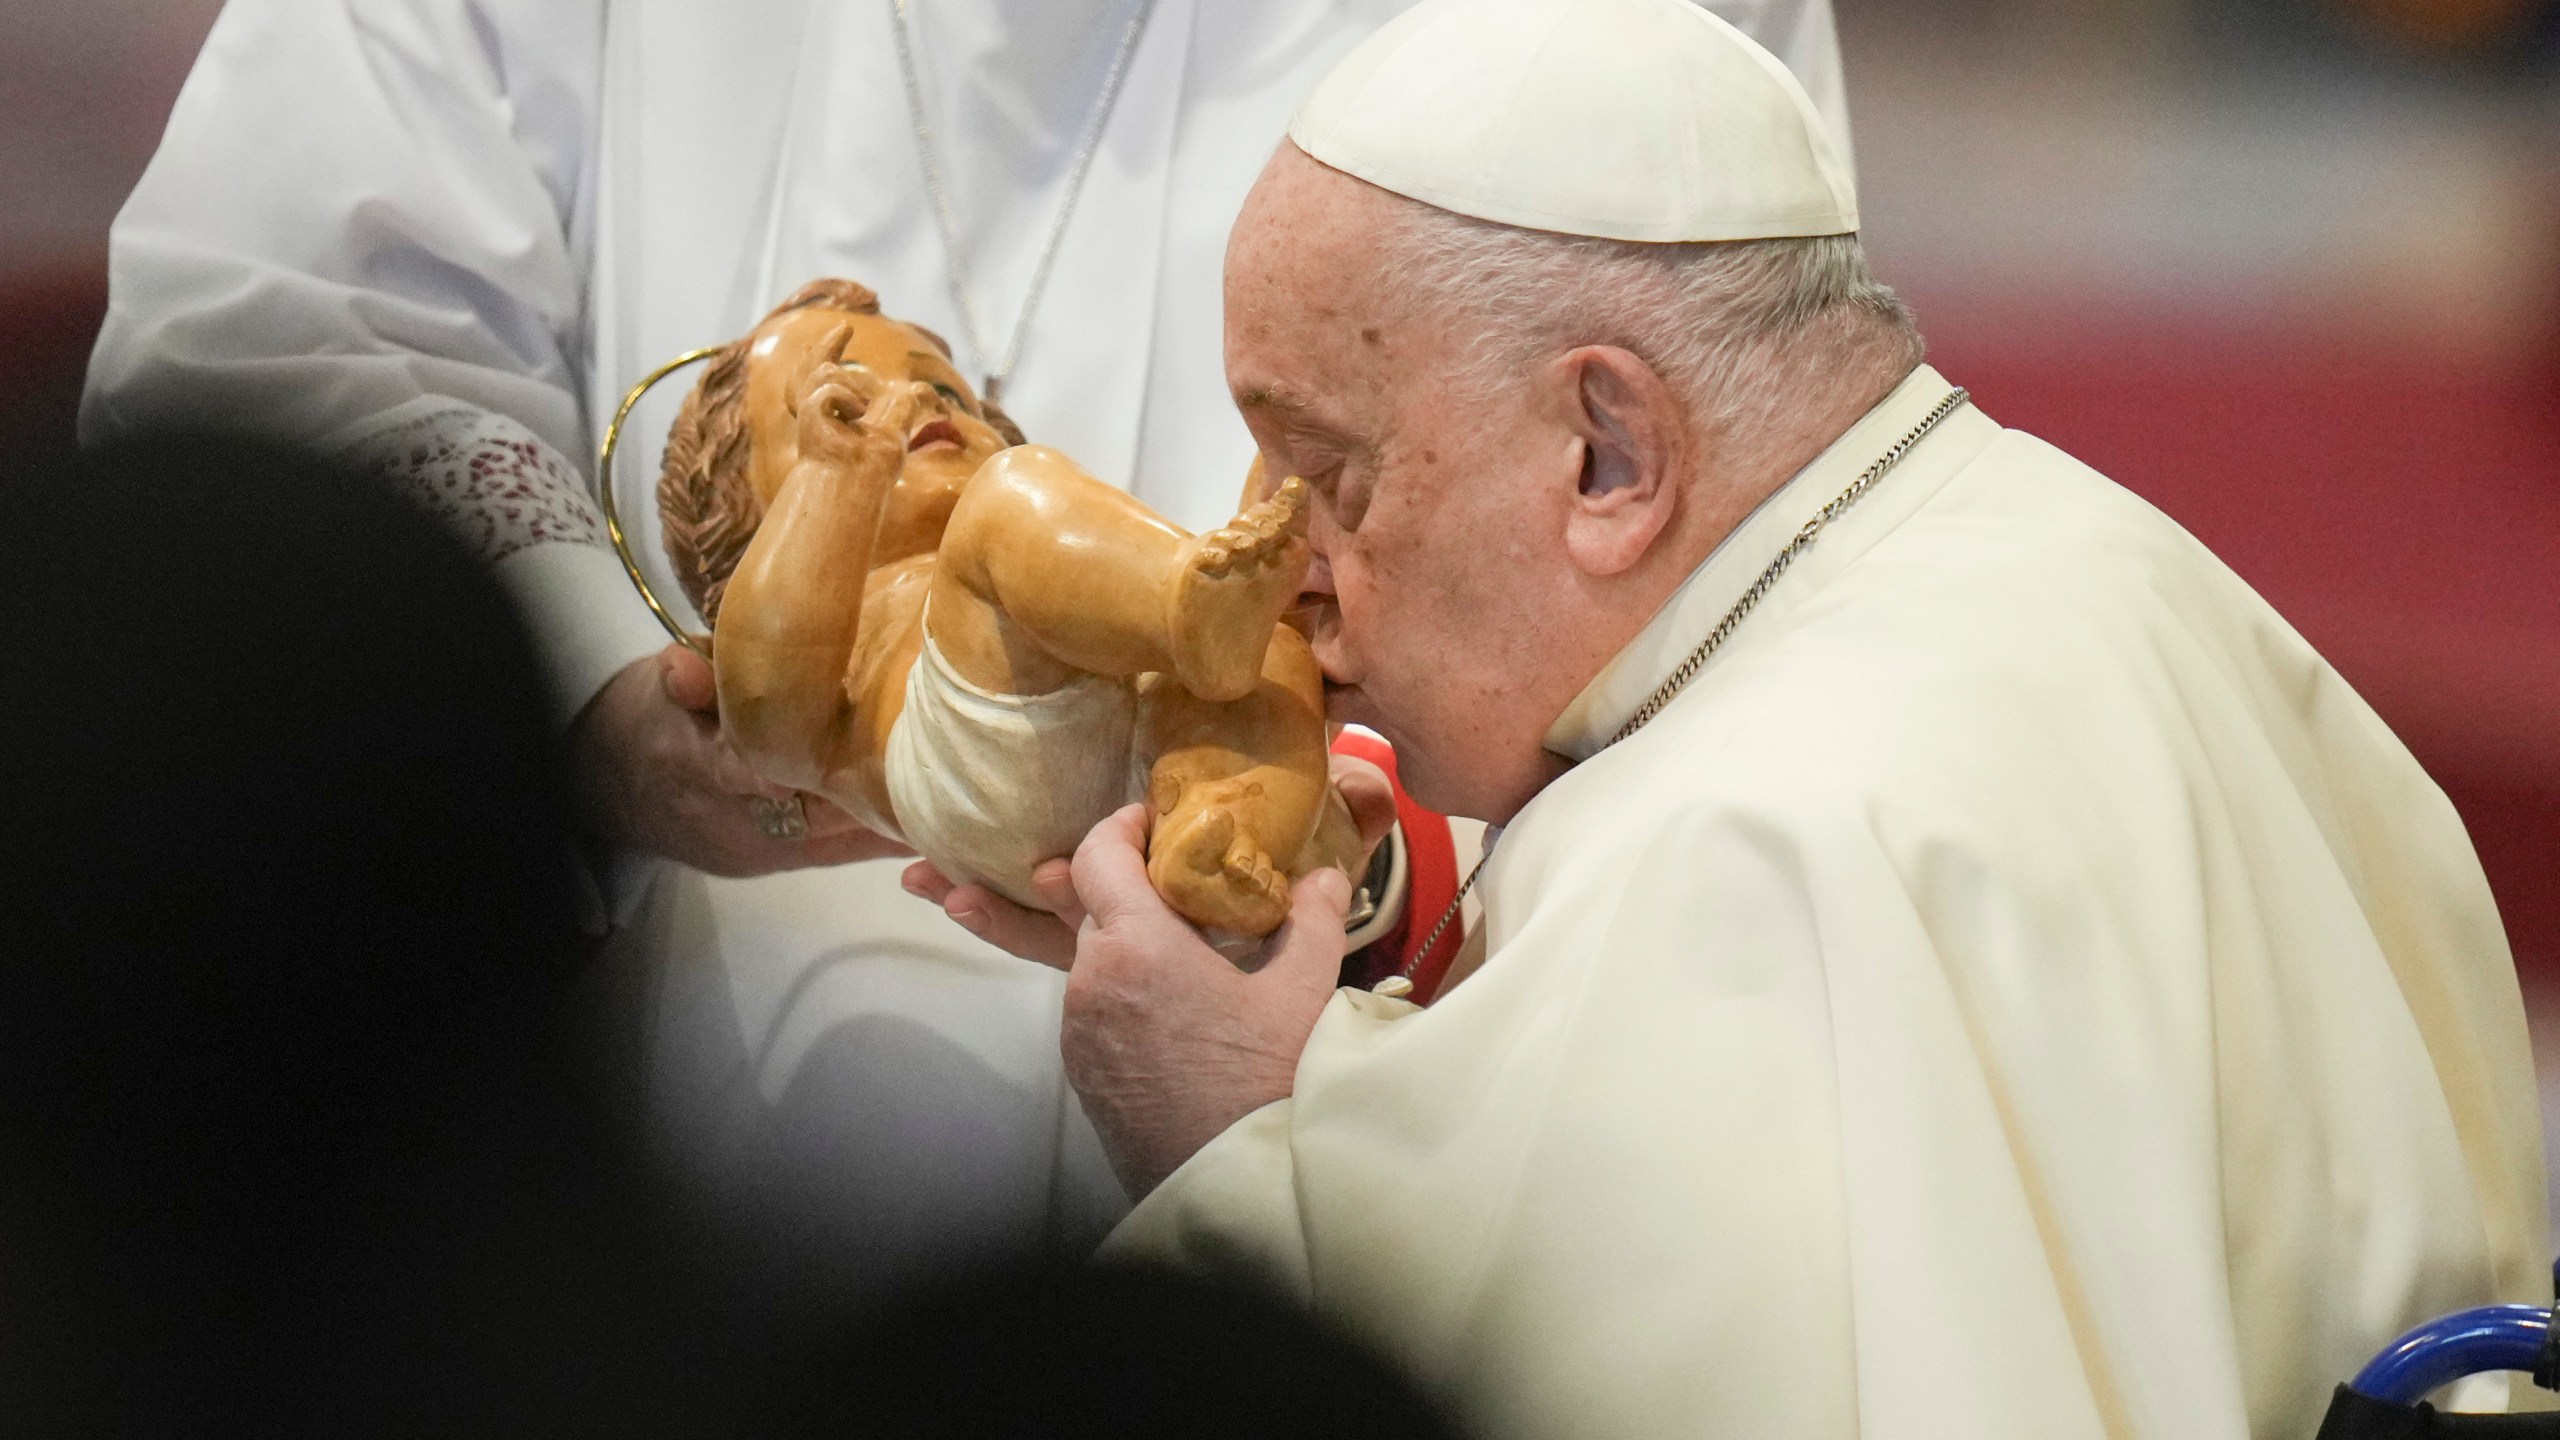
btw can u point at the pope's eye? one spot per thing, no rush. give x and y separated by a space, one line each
958 400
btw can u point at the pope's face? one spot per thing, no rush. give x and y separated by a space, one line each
1433 528
950 437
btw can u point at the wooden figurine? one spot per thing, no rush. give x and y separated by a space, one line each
972 644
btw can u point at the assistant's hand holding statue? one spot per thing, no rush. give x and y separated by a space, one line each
657 777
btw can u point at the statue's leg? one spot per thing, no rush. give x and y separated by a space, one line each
1046 571
1235 790
793 611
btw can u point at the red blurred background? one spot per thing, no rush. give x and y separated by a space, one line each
2290 268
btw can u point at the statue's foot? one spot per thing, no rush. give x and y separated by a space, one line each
1236 581
1208 867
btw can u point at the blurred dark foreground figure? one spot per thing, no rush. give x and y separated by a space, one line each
291 1126
304 1125
1064 1353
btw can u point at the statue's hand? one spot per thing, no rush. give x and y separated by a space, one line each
851 416
656 776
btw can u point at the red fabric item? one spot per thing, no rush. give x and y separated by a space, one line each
1431 861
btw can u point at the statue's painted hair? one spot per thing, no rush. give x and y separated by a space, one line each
706 497
706 492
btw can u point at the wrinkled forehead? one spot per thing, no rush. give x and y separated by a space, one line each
1319 334
1303 219
1307 292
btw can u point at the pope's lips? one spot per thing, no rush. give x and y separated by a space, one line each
933 432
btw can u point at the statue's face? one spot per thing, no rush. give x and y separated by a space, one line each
948 440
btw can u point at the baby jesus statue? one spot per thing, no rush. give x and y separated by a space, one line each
971 644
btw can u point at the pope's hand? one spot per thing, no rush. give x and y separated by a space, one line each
656 776
1167 1041
1048 935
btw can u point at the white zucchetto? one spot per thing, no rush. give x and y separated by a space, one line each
1626 119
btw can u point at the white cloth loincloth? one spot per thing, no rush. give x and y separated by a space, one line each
987 786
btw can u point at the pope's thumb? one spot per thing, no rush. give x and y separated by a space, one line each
1310 940
1109 871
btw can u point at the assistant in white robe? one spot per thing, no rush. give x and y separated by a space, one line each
448 234
2017 990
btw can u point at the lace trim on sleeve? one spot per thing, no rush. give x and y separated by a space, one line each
494 482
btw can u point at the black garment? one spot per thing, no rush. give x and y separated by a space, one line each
292 1129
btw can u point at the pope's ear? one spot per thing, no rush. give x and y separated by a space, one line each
1634 433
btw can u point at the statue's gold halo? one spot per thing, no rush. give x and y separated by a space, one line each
613 511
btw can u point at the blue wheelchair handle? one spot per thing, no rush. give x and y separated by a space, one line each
2467 1342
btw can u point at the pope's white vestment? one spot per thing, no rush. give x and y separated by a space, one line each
2017 990
448 234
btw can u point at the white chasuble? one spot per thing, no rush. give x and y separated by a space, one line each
451 233
2017 990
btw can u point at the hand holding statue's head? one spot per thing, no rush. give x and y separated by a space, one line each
1521 440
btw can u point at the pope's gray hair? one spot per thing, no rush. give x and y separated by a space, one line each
1734 326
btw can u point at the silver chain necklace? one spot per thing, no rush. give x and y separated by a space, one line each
1401 983
930 158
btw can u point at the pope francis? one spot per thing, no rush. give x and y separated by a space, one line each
1958 963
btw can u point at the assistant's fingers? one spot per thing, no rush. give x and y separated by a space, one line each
925 881
1033 935
843 848
730 776
827 819
1307 948
1054 882
1110 870
687 680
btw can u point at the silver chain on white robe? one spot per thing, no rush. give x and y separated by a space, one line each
1401 983
930 158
